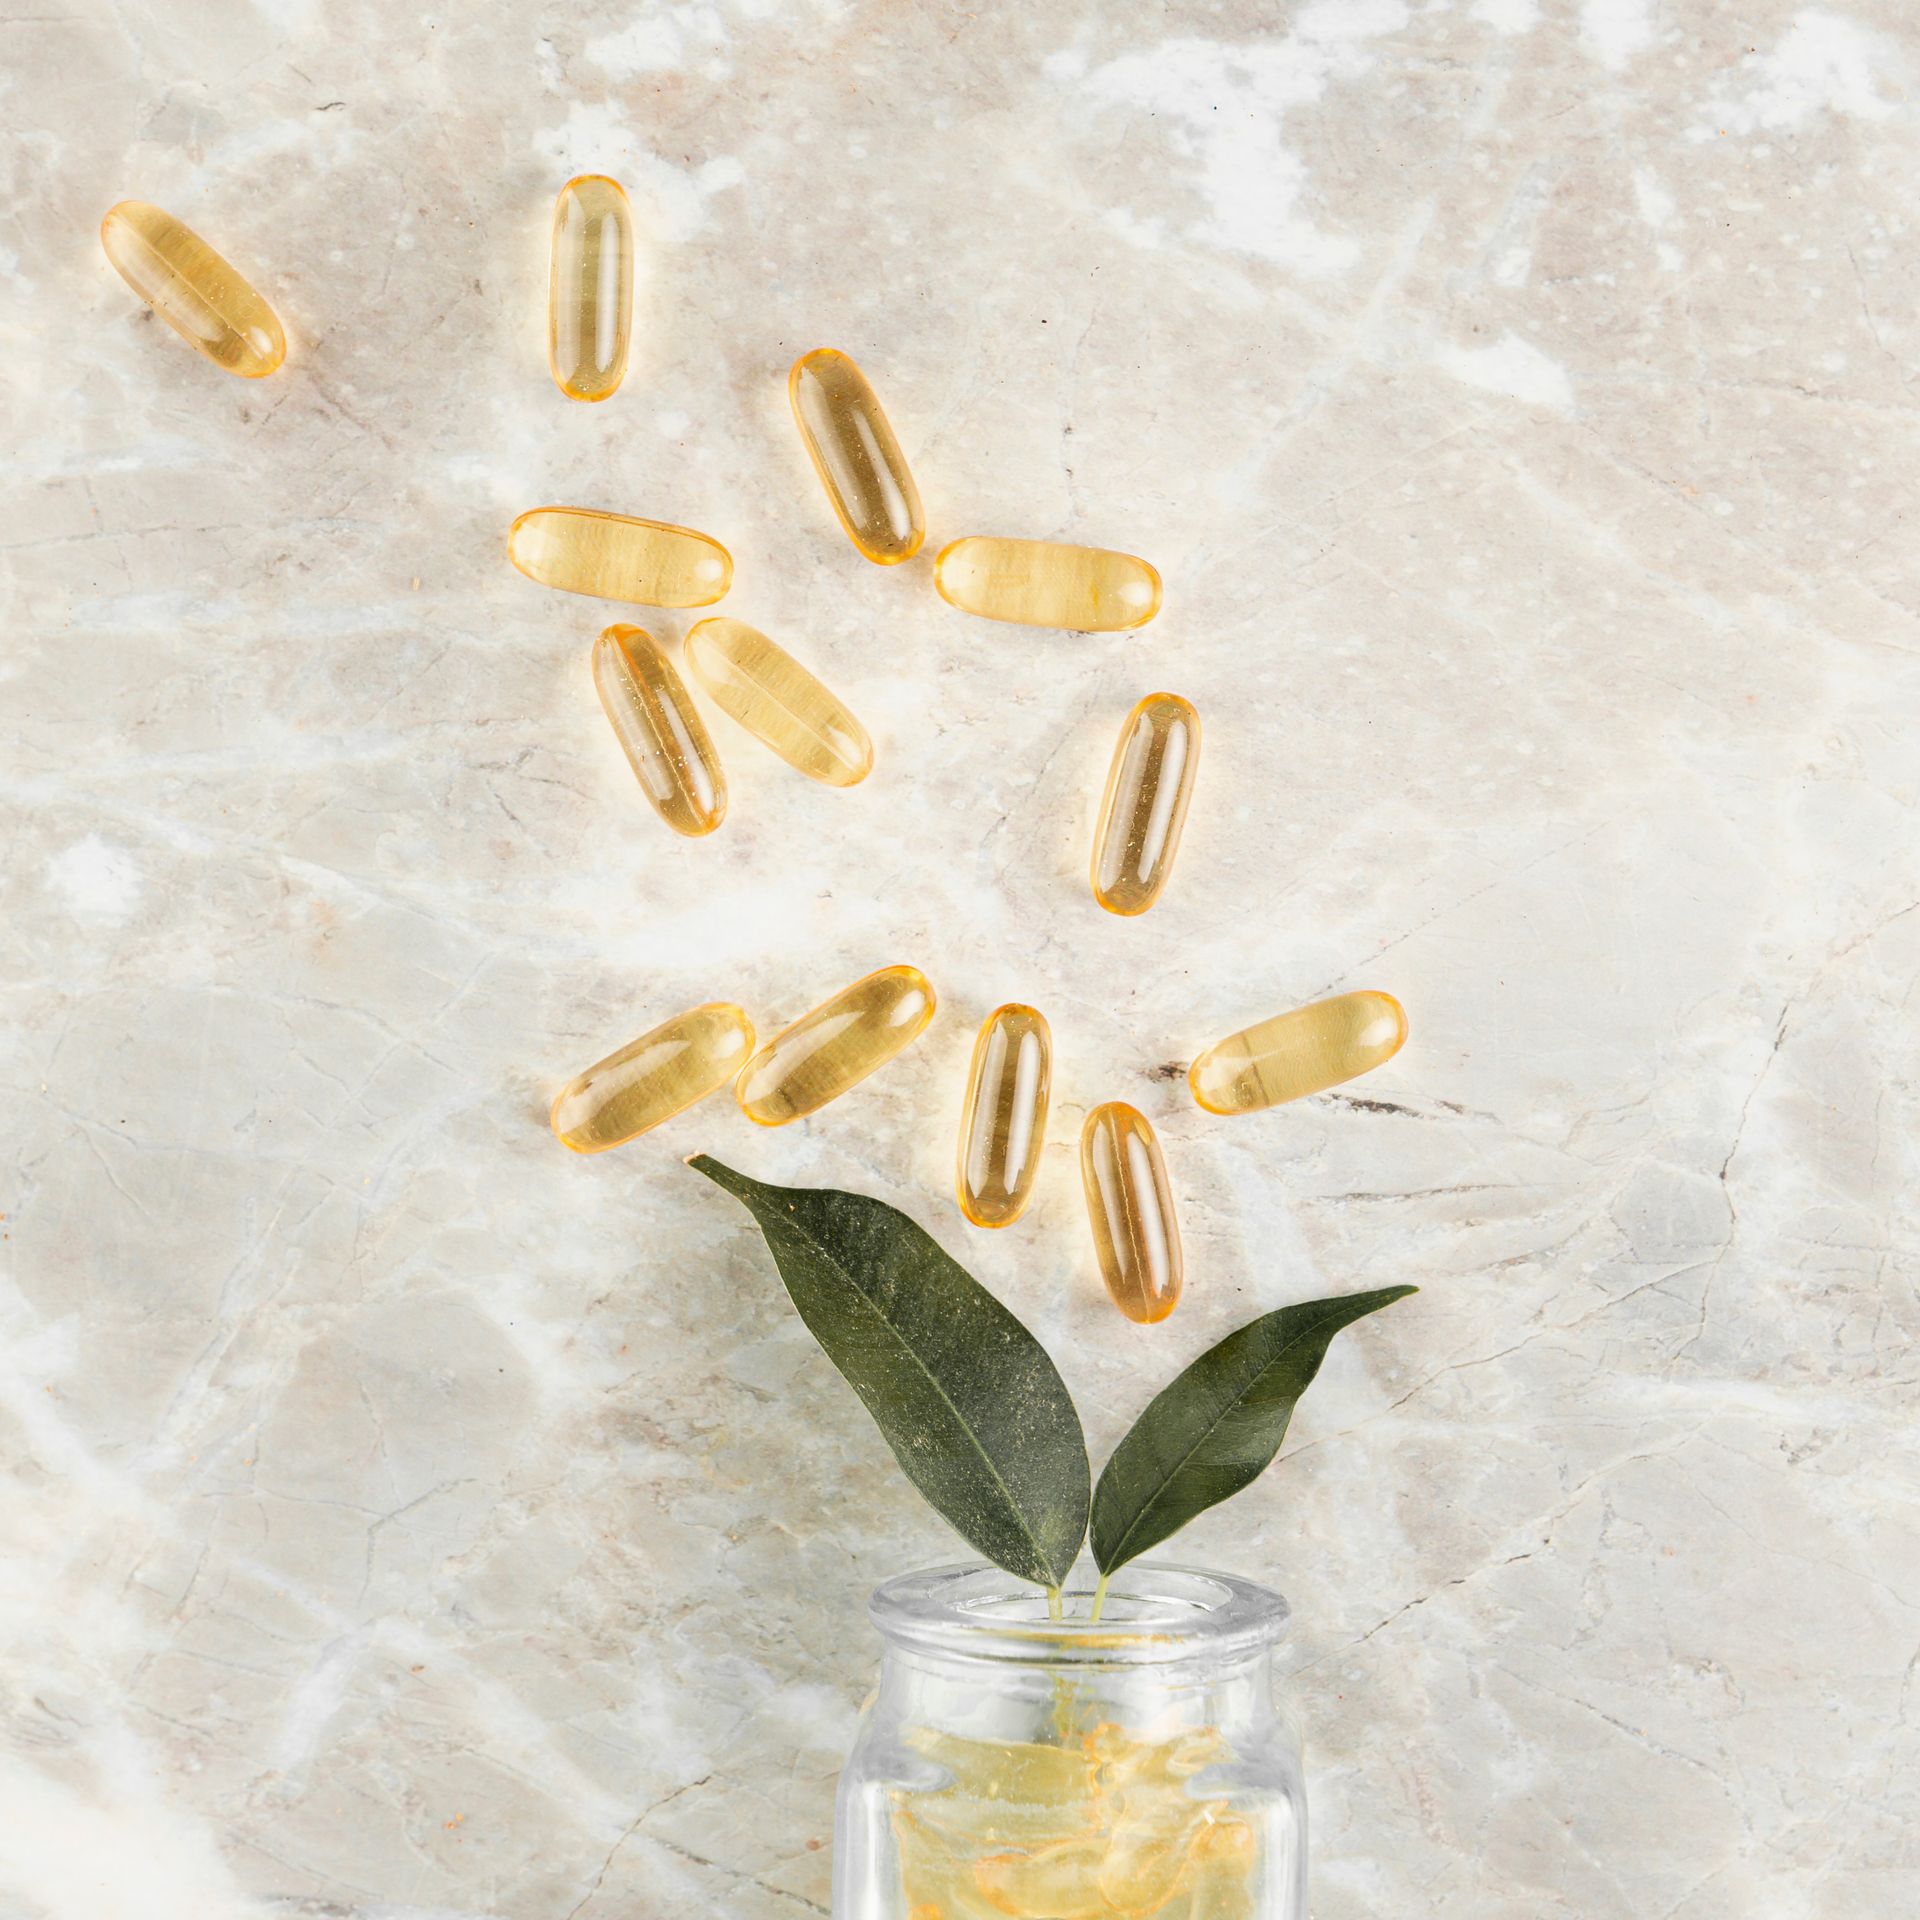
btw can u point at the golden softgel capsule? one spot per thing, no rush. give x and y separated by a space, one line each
198 294
660 730
1148 787
835 1046
1130 1205
590 287
1294 1054
651 1079
650 562
779 702
1040 583
1003 1123
853 449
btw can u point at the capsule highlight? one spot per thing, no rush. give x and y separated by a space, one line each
649 562
852 446
1003 1122
1145 805
207 301
1042 583
590 288
1294 1054
835 1047
1136 1235
659 730
651 1079
769 692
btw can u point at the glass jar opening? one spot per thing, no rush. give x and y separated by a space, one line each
1152 1615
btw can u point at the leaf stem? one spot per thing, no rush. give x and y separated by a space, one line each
1054 1609
1099 1598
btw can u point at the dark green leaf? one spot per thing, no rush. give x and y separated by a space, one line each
966 1397
1215 1427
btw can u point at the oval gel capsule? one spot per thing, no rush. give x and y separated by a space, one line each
1041 583
1130 1206
590 288
853 450
206 301
1145 806
660 730
779 702
651 1079
835 1046
1003 1123
650 562
1294 1054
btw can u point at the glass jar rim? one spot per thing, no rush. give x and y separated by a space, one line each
1154 1615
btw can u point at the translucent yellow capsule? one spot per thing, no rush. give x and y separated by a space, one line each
779 702
606 554
835 1046
590 288
1294 1054
651 1079
1130 1204
198 294
1003 1124
1040 583
661 732
851 444
1148 787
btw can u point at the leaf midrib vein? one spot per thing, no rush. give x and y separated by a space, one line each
1206 1433
932 1379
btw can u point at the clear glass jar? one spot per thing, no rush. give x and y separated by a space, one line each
1013 1765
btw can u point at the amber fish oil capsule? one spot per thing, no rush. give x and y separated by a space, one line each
659 730
779 702
204 299
650 562
590 288
1145 806
1041 583
1003 1121
1294 1054
651 1079
853 450
835 1047
1130 1207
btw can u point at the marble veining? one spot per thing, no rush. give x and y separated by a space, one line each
403 1517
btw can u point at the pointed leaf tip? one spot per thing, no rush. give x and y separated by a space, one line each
973 1409
1216 1426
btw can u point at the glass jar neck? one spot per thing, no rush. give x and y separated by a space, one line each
1163 1698
1173 1650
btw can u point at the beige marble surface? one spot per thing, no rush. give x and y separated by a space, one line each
401 1517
